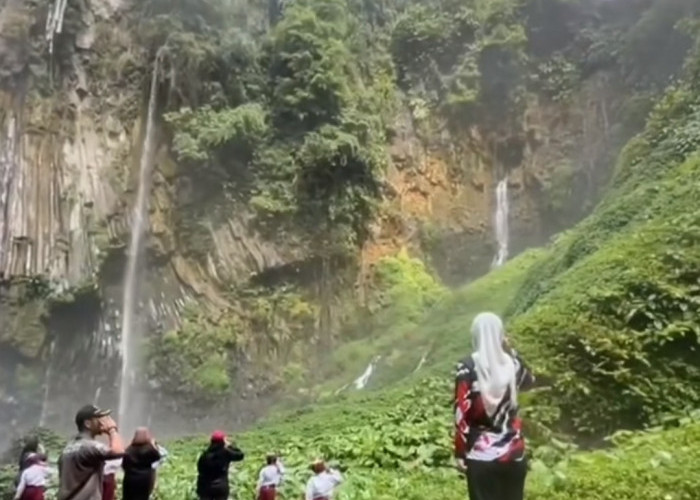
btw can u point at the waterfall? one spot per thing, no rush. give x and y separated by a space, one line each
422 361
47 385
8 168
130 392
501 224
54 21
361 382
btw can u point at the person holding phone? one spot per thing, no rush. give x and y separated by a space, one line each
81 464
139 473
322 485
213 466
270 478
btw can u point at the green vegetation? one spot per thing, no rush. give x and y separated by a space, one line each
392 445
438 335
288 114
610 309
606 316
293 122
200 360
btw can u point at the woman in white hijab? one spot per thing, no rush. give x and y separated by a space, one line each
489 445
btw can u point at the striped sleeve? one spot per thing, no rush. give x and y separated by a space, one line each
462 405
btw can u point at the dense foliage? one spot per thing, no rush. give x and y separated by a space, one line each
614 300
284 111
294 117
606 312
399 442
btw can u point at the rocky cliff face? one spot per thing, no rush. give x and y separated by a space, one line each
71 118
442 189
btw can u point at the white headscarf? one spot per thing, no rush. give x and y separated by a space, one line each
495 368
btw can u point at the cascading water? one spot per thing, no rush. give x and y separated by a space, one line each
501 224
131 396
361 382
54 21
47 386
421 362
8 168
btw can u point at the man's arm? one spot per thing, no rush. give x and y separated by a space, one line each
282 471
336 476
116 445
95 456
261 478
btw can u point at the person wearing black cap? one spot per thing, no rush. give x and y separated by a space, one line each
80 466
213 465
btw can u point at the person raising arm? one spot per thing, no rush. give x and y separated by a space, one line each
213 466
270 478
81 464
322 484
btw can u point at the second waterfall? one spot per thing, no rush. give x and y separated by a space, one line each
131 393
501 224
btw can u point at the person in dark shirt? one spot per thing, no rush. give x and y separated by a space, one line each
212 468
139 473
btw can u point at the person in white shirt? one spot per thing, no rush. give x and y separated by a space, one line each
32 482
109 478
271 477
323 483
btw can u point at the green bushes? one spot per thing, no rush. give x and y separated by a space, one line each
287 120
398 443
195 360
406 286
405 451
200 133
609 315
653 465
